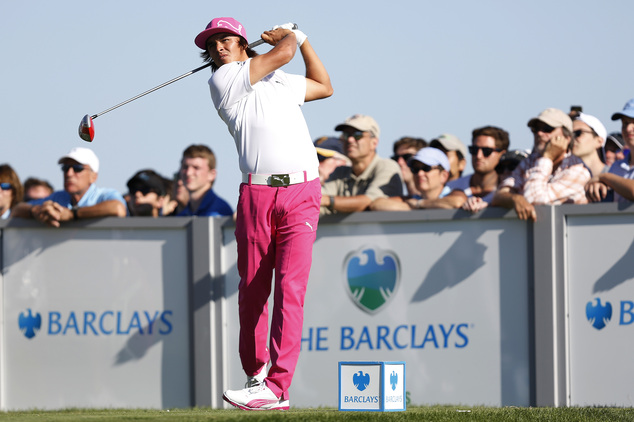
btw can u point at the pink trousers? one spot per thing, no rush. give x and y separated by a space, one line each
275 229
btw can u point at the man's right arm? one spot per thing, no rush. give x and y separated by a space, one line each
505 197
284 45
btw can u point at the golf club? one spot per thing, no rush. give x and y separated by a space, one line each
87 128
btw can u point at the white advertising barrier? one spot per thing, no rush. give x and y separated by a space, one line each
600 285
449 297
95 318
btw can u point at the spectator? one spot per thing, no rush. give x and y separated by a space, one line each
590 136
455 150
81 198
36 189
488 144
178 196
508 162
330 155
430 168
404 149
613 149
147 194
550 175
198 173
352 189
11 191
620 178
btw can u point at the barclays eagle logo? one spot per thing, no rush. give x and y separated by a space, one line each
599 315
393 380
29 324
372 276
361 380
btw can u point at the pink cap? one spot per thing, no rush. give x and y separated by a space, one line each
217 26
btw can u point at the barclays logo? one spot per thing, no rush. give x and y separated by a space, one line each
393 380
372 277
599 315
361 380
29 324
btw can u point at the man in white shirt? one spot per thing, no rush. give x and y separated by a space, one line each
278 208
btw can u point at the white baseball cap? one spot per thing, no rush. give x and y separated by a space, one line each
83 156
595 124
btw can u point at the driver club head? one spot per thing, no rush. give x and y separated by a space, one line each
87 129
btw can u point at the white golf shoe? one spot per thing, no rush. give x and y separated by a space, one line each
257 379
255 398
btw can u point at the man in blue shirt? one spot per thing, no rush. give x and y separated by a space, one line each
198 173
81 198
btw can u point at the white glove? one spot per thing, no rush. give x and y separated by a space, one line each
301 37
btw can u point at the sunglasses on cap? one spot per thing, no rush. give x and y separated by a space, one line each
405 157
6 186
417 166
509 165
486 151
77 168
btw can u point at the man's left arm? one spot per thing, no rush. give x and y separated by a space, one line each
318 84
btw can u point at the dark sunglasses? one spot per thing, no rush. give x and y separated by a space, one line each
541 127
580 132
77 168
6 186
356 135
405 157
486 151
144 190
417 166
506 165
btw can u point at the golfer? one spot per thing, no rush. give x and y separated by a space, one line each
280 194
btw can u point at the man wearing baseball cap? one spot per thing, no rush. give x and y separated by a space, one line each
620 177
330 155
278 206
352 189
430 168
551 174
81 198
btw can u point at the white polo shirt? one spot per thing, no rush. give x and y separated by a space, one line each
265 119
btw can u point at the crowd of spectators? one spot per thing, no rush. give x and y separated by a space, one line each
573 160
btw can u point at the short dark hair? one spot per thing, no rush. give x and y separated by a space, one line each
501 136
201 151
408 141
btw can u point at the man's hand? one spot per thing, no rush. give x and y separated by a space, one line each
276 35
595 190
301 37
51 213
556 148
524 209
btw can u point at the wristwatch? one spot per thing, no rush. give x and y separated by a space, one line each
75 216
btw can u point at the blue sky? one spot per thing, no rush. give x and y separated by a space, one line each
420 68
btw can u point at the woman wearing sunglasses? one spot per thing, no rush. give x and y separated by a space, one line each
11 191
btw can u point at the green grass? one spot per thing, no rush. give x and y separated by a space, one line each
430 414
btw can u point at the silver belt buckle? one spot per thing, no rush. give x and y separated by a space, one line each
278 180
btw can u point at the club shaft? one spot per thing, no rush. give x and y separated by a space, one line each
184 75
